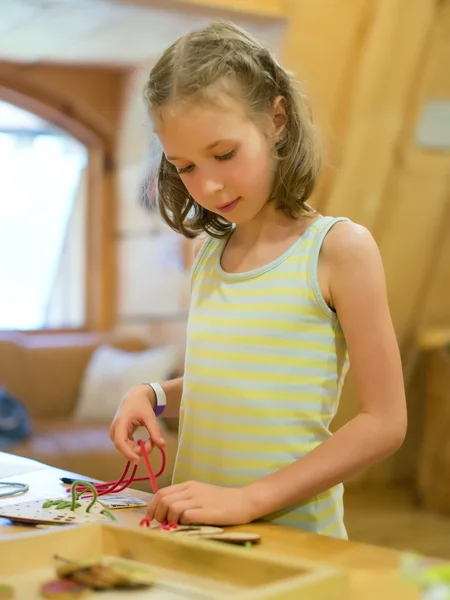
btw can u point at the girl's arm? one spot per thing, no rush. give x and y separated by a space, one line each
351 267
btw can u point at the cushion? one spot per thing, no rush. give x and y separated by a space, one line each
111 373
44 371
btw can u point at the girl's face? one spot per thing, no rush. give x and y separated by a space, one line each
223 158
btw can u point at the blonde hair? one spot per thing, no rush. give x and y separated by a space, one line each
223 52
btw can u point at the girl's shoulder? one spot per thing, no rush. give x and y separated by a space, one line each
345 239
349 255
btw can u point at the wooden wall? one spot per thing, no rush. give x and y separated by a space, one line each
369 82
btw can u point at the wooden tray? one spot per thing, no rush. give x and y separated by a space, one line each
185 568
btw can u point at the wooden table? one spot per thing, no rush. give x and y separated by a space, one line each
372 570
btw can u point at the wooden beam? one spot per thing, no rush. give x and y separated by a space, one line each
264 8
275 9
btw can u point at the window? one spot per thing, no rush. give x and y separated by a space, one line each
42 224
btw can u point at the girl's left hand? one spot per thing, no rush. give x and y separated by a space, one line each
195 502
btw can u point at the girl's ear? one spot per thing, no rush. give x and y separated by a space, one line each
279 117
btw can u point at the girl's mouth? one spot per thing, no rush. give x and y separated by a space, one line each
225 208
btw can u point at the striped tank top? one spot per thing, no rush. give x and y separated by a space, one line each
266 359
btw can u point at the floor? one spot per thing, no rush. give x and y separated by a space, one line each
391 518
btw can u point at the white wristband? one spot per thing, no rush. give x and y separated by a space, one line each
161 399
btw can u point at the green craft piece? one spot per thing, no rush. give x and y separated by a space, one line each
73 503
76 495
60 504
109 514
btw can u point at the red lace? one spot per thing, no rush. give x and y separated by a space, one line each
114 487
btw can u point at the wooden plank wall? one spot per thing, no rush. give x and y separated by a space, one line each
369 81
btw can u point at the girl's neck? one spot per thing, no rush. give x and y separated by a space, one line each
268 225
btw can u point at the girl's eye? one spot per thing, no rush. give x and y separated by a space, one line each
190 168
187 169
226 156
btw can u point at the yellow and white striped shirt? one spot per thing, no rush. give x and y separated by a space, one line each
265 363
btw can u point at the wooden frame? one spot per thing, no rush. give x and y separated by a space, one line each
100 258
250 576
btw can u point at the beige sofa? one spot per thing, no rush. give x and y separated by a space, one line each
45 371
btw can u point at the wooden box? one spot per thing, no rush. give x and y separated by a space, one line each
184 568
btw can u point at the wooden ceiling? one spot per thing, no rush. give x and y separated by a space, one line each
117 33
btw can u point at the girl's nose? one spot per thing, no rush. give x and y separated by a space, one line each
211 186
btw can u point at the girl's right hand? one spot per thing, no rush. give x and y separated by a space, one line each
136 410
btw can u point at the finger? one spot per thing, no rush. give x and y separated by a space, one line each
164 510
154 431
154 503
122 441
147 445
151 508
134 444
161 495
200 516
136 450
112 430
175 488
179 508
197 516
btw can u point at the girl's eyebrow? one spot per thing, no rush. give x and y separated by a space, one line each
209 147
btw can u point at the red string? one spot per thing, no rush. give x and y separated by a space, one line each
112 487
149 467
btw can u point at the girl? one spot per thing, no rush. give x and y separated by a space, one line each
283 299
